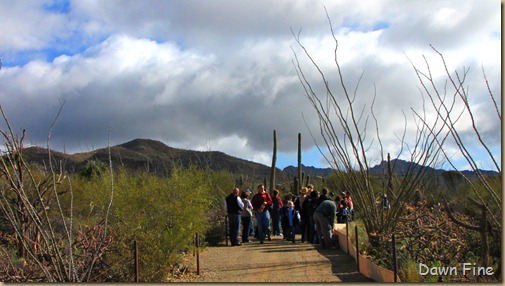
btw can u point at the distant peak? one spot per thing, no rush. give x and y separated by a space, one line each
144 143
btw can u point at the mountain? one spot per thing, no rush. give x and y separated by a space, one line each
401 168
152 156
313 172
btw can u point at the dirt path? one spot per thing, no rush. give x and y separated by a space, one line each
277 261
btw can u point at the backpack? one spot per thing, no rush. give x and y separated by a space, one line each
296 218
339 213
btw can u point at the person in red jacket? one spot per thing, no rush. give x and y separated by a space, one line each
275 213
261 203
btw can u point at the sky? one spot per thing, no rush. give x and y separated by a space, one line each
219 75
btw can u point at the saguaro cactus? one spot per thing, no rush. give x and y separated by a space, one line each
274 159
300 178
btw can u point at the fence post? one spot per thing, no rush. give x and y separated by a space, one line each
197 254
357 247
136 255
395 261
226 228
347 234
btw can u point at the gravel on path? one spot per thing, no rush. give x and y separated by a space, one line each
277 261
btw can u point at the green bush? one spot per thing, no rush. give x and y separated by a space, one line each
162 215
93 169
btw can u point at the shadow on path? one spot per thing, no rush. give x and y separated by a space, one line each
343 265
278 261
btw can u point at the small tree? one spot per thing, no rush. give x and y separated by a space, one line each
451 105
49 245
344 127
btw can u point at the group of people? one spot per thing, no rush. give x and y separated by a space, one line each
312 214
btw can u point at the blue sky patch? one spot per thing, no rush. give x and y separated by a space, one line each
356 26
58 6
381 25
21 58
351 25
311 157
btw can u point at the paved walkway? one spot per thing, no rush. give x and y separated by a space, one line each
277 261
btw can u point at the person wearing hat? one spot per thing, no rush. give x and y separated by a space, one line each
246 216
346 212
234 206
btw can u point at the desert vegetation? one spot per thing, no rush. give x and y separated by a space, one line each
443 228
80 224
61 226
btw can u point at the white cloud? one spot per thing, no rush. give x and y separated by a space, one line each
25 25
192 72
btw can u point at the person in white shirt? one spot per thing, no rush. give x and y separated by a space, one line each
246 216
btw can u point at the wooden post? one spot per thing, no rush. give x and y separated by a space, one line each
395 261
195 245
347 234
299 185
226 228
357 247
197 255
136 254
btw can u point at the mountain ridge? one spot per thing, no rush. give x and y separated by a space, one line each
153 155
150 155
